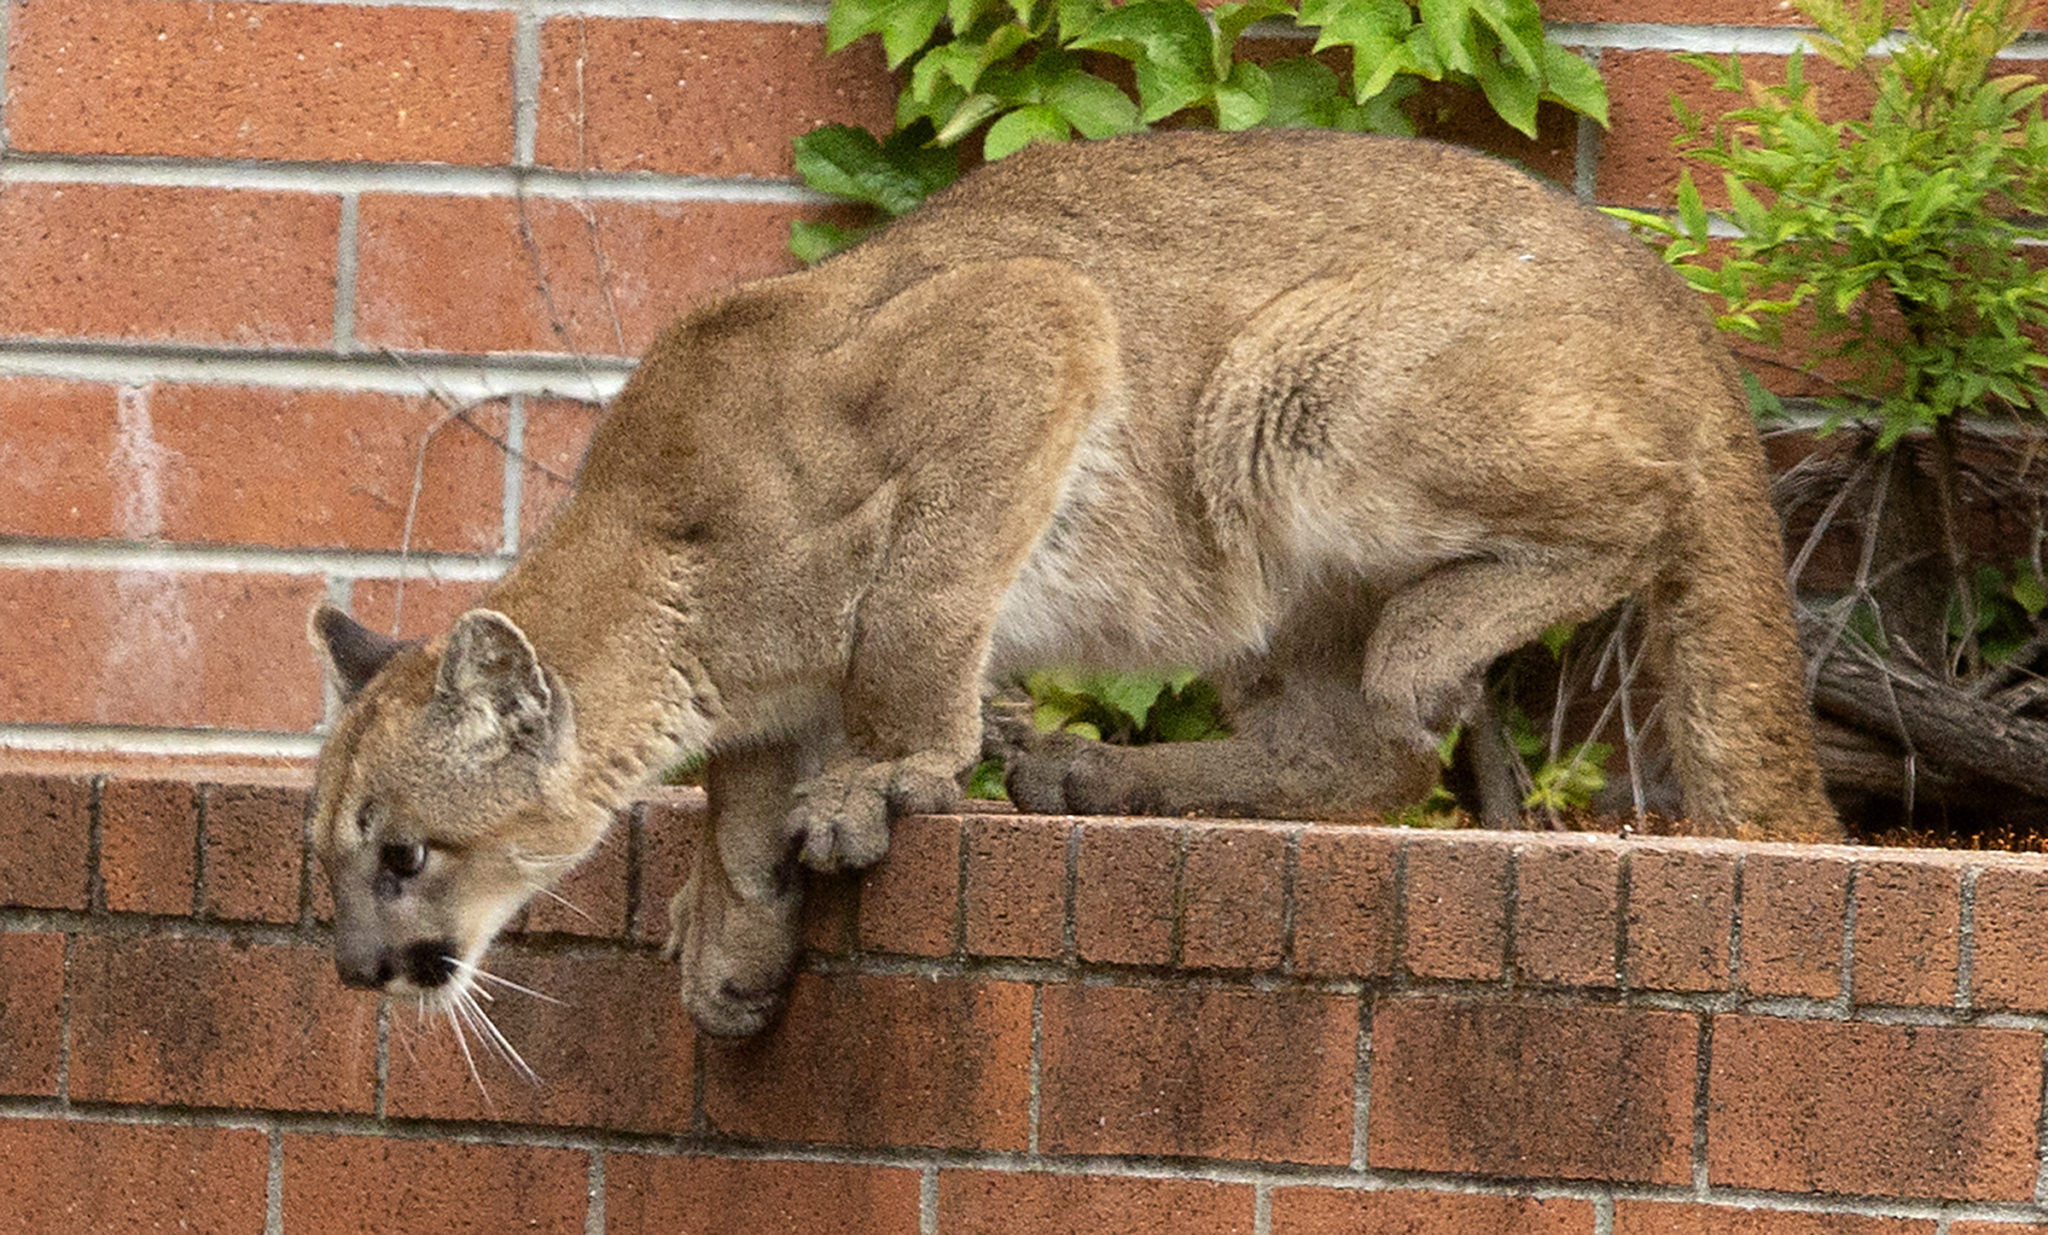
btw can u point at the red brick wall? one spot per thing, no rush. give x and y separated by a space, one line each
242 246
1027 1025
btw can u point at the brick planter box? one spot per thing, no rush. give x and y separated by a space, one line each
1033 1024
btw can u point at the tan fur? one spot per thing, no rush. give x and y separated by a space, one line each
1337 419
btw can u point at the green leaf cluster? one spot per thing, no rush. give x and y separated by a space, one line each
1131 708
1562 784
1899 232
2007 611
1007 73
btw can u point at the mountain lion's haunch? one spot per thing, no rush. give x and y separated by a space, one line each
1337 419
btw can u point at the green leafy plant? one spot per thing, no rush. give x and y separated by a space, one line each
1130 708
998 75
2007 611
1900 232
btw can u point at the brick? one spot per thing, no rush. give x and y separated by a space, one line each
130 1179
1899 1110
55 455
1908 928
45 831
339 469
829 922
255 847
1677 12
205 1022
1345 912
149 836
2008 969
173 462
1793 910
591 898
141 262
1015 903
882 1061
1234 897
648 1194
615 1052
1681 908
1532 1090
1210 1073
1088 1204
1124 893
1567 900
31 1007
366 1184
910 902
669 830
1457 907
1657 1218
158 648
711 98
1334 1211
430 605
557 433
454 274
327 82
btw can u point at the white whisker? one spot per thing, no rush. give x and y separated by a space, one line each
566 903
462 1040
504 1045
484 975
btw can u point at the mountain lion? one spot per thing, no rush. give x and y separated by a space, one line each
1336 419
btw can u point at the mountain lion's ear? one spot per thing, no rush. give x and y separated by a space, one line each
491 682
353 652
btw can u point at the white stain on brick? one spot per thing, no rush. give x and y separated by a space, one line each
137 465
151 650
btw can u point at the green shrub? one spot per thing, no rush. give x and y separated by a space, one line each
1006 73
1901 231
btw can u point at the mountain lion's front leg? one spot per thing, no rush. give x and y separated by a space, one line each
733 926
985 376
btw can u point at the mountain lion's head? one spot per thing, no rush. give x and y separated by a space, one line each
441 803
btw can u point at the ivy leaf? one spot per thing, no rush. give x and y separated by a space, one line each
1512 92
1448 24
814 241
1093 106
1131 695
967 117
905 25
1035 123
962 14
1570 80
2027 588
1304 93
895 175
1230 20
1520 31
1169 42
1245 99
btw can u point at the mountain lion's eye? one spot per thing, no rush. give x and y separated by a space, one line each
363 820
404 861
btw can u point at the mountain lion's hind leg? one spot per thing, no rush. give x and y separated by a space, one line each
1303 745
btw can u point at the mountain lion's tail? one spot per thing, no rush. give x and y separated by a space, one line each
1736 712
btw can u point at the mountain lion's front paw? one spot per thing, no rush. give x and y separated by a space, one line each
735 963
842 814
